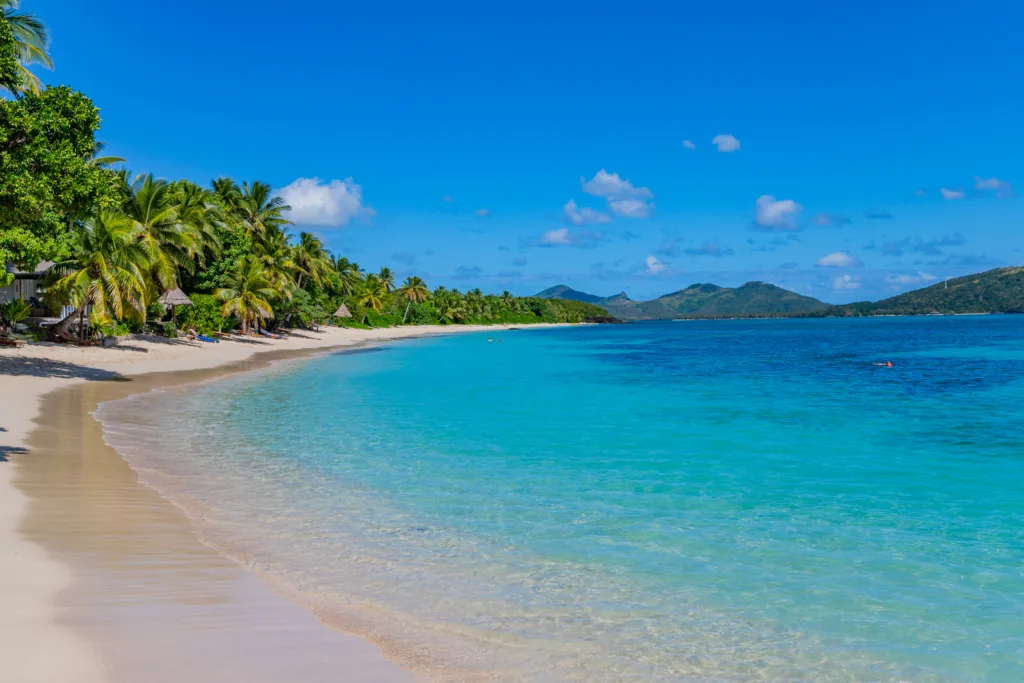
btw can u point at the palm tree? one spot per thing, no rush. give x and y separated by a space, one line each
31 41
449 304
226 193
170 243
372 294
102 161
197 209
258 210
507 298
106 271
311 259
246 295
349 275
273 251
388 278
415 291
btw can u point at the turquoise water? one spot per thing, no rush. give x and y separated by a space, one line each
699 501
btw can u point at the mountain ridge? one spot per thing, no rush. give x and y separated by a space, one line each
1000 290
698 300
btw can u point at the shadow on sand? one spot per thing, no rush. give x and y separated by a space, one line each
42 367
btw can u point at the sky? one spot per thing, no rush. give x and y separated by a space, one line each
847 151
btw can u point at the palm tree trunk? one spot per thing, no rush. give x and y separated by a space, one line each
62 330
407 306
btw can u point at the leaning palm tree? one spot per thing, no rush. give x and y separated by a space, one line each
246 295
31 43
258 209
414 291
107 272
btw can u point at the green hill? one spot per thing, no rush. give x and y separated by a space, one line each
753 298
568 293
702 300
994 291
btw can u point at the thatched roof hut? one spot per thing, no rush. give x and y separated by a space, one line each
342 312
175 297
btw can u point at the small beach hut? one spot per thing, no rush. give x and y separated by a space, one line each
342 312
174 297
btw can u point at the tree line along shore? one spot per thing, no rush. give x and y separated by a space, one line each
112 244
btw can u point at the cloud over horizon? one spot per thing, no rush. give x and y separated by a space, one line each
726 143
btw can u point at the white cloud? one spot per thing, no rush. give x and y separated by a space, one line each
582 216
631 208
555 237
654 266
839 259
909 279
846 282
564 237
1000 187
726 143
688 144
951 194
611 186
447 198
482 213
772 214
334 203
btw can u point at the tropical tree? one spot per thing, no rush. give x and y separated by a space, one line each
30 45
388 278
311 259
258 210
107 272
350 276
201 215
372 294
171 244
273 251
450 305
414 291
246 296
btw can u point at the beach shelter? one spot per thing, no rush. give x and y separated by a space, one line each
174 297
342 312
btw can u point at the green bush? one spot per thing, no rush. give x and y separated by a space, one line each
170 330
204 315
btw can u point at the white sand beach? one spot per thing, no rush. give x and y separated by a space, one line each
47 630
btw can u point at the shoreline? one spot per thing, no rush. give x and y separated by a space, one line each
40 528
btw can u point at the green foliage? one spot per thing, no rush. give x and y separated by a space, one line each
170 330
10 73
13 312
204 315
46 179
995 291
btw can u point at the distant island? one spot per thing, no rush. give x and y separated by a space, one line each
995 291
701 300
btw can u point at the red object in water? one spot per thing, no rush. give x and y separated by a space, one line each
888 363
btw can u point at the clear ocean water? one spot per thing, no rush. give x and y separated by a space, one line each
689 501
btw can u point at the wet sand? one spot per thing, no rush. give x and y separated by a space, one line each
105 581
154 603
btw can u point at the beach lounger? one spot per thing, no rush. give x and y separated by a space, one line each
203 337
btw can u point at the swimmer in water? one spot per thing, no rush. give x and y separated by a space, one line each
488 339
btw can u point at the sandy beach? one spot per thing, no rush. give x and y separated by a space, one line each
102 570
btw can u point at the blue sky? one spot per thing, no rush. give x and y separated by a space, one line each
862 148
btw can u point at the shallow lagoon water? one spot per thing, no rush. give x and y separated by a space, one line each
695 501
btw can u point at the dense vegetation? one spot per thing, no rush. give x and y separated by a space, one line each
995 291
120 242
754 299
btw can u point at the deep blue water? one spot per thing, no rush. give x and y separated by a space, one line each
694 501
